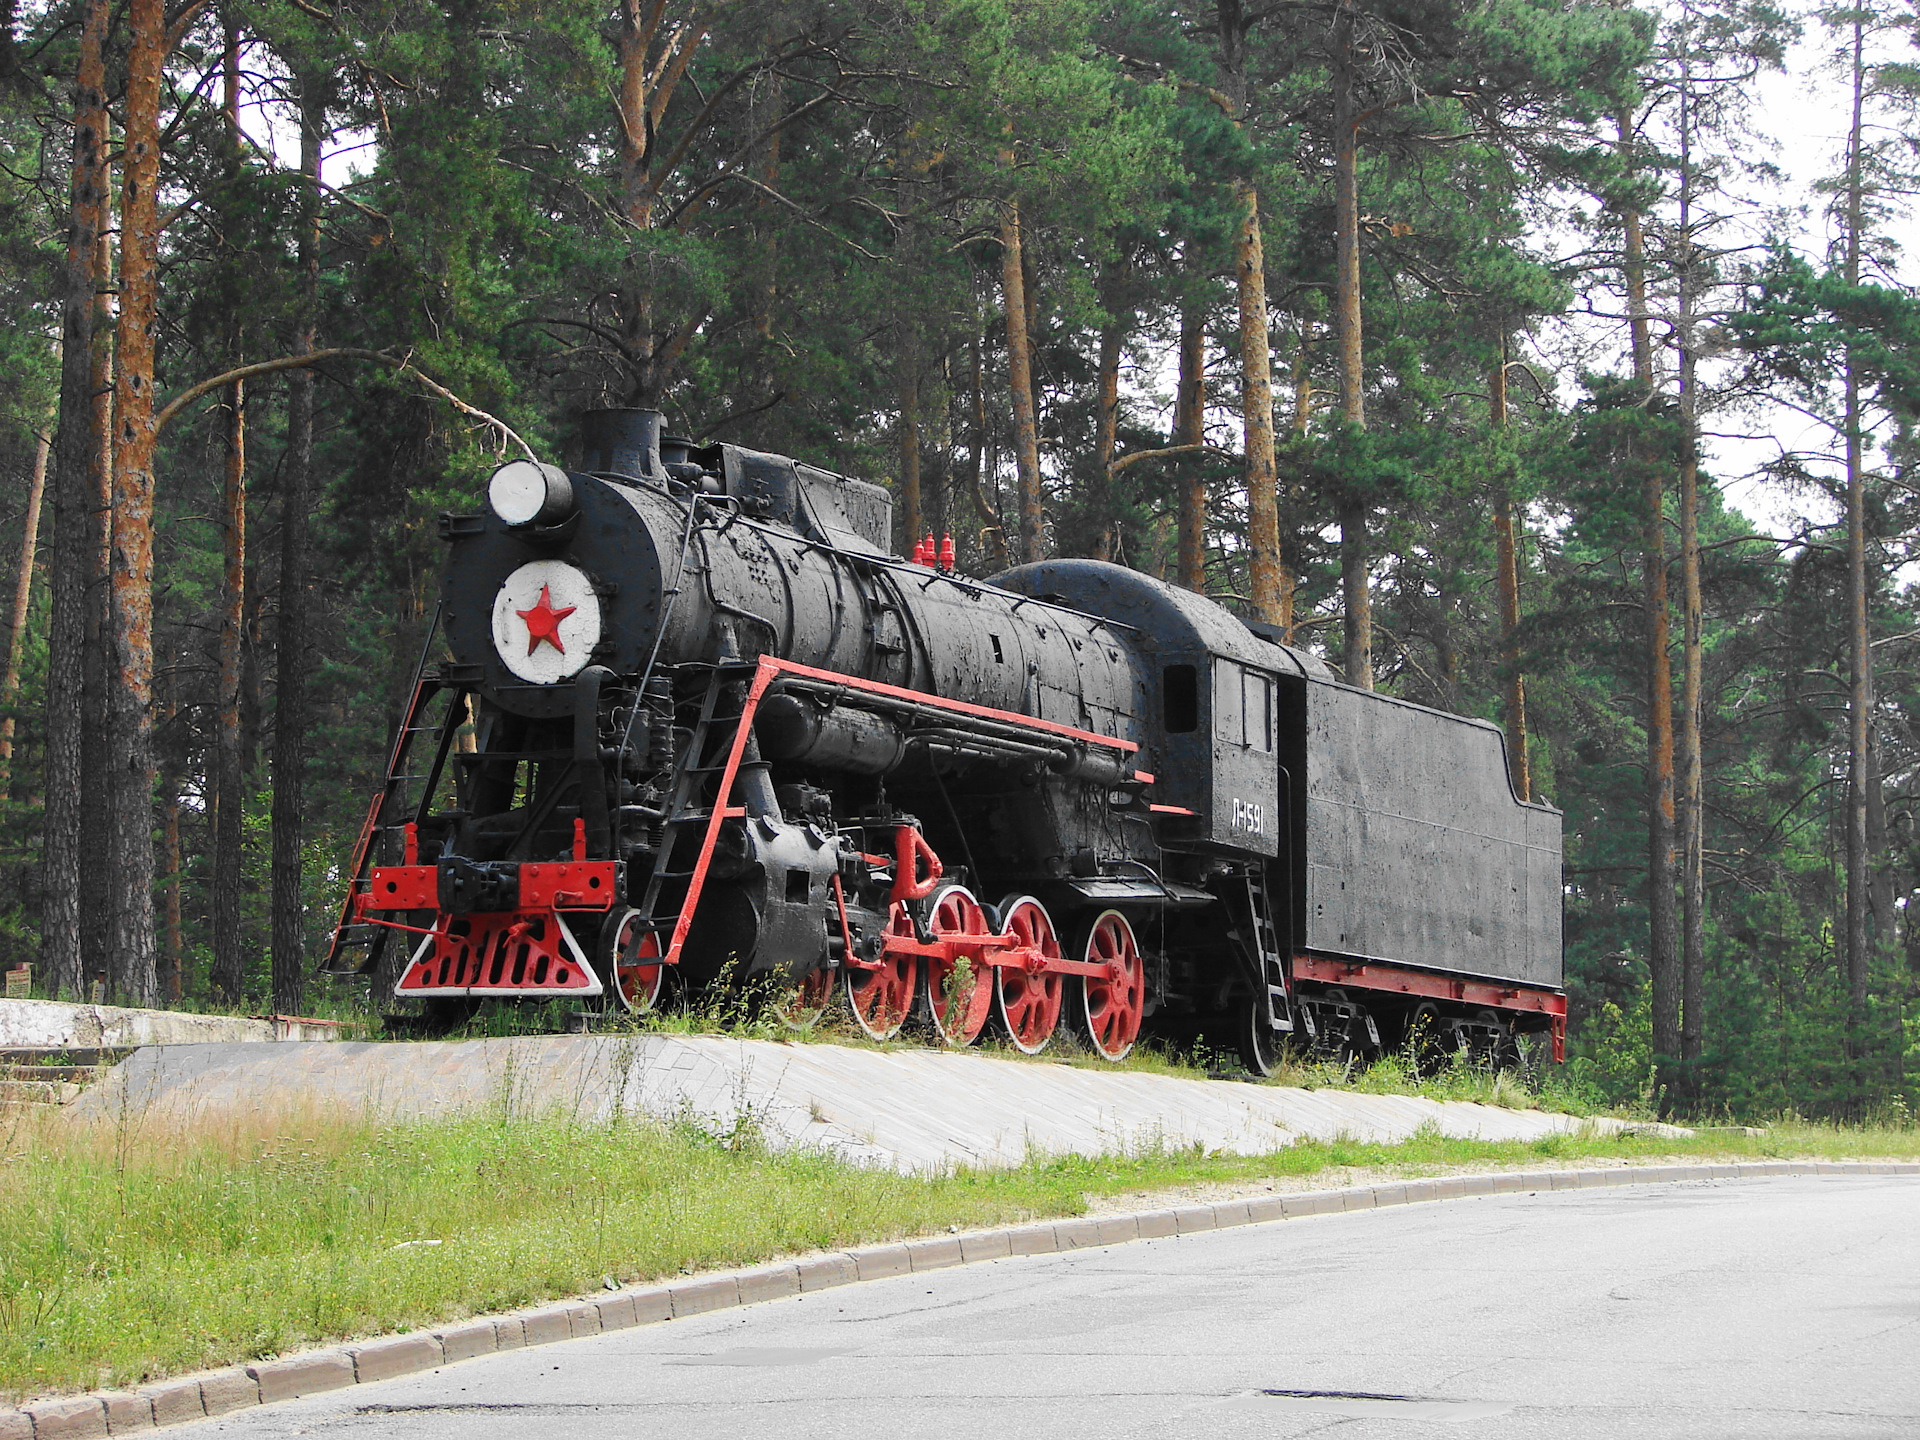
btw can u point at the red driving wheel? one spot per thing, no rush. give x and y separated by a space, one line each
1027 1000
959 991
881 999
1108 1007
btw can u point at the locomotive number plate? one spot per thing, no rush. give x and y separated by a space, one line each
1250 817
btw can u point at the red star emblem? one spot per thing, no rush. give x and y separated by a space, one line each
543 622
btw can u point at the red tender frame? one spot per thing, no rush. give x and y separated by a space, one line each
1494 994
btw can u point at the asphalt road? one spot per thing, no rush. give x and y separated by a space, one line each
1768 1308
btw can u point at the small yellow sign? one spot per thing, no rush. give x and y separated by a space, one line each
19 982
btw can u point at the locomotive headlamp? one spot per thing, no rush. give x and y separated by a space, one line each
524 492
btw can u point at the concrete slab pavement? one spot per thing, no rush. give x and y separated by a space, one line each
912 1110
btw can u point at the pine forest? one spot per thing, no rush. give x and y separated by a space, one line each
1489 348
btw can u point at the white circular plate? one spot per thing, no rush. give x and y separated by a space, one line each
546 621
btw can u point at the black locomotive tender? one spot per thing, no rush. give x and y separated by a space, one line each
698 716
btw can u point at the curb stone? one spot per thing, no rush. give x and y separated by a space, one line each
298 1375
221 1392
78 1417
127 1413
175 1402
224 1391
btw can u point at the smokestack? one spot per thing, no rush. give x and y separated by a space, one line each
623 442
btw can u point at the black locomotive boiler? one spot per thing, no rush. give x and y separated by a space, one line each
698 719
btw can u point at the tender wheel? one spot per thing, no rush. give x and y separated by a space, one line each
1515 1055
1495 1041
1107 1009
799 1004
960 993
626 943
1026 1003
882 999
1259 1042
1431 1040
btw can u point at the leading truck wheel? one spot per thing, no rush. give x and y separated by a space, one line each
1026 1002
627 944
1107 1007
799 1004
882 998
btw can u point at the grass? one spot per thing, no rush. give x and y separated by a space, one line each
133 1249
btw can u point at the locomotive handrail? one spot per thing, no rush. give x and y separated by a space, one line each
829 679
1017 738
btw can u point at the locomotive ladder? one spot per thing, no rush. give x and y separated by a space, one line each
684 815
1270 961
393 808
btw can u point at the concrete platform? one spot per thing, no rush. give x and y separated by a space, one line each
912 1110
59 1025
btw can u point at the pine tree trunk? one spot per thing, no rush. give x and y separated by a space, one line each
1271 584
1026 440
229 825
1663 959
1356 599
1859 713
83 420
1346 256
97 917
654 51
1190 428
1302 383
766 104
1507 553
912 511
22 598
936 448
993 531
1692 807
1859 636
230 753
1030 297
1356 659
172 942
1106 432
129 710
290 632
1692 832
173 947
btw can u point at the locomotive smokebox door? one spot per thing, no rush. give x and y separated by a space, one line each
1247 811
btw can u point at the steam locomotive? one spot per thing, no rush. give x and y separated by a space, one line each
698 720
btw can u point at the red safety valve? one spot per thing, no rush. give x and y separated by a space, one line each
946 552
